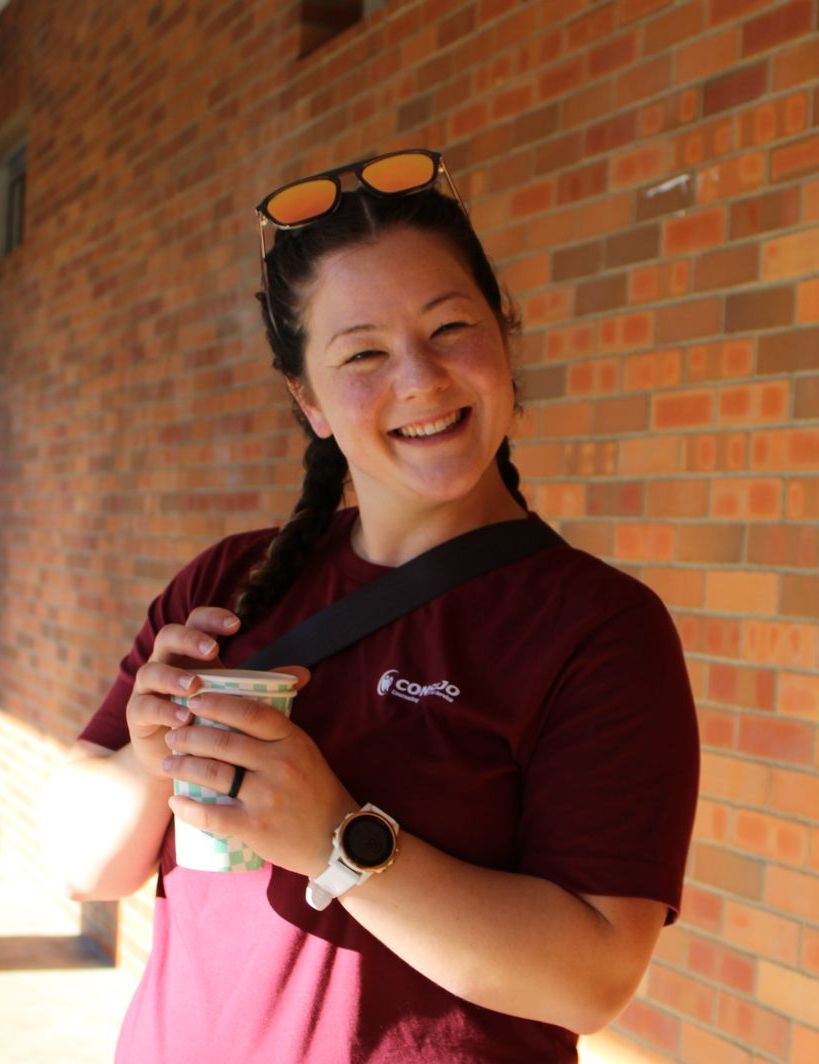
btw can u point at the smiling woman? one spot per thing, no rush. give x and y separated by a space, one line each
496 787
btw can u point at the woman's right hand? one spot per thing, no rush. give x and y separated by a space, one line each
179 651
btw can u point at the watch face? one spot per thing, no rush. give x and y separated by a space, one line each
368 841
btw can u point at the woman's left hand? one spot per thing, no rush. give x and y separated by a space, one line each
290 800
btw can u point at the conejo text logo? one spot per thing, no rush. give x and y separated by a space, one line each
393 684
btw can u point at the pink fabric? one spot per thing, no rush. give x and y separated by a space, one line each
538 719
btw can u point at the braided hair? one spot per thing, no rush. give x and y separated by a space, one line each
291 265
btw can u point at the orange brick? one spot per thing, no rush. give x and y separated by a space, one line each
810 950
683 993
790 891
736 685
707 55
626 332
643 455
738 780
711 822
682 409
537 459
786 449
652 283
761 932
795 793
782 740
802 499
695 232
741 591
658 1028
678 588
793 993
709 452
547 307
655 369
792 255
574 341
594 378
798 694
747 499
708 140
728 871
702 908
804 1045
681 497
774 120
784 545
735 177
644 541
769 836
781 643
752 1025
754 403
721 964
699 1045
720 544
800 595
720 360
641 165
531 271
534 199
560 500
807 301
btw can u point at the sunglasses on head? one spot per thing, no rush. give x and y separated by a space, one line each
308 200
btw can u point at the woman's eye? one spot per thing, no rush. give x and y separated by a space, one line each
363 356
451 326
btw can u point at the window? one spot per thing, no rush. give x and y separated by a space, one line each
12 198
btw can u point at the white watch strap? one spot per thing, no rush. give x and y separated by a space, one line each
334 881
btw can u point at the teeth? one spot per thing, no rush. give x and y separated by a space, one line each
430 428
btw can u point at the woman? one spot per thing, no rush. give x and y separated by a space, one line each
527 740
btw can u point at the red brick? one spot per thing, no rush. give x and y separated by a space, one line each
792 351
776 27
735 177
727 268
581 183
722 10
562 79
761 308
800 595
707 141
736 686
687 321
759 214
794 160
652 370
599 22
586 106
720 360
747 498
737 87
611 133
682 409
615 53
784 545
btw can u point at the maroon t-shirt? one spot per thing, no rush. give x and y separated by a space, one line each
538 719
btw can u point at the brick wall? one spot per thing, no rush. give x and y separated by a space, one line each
646 174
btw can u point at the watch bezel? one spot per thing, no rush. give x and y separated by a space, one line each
345 829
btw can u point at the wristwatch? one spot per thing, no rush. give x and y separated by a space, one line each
363 843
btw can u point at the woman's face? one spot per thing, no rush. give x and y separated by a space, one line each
407 367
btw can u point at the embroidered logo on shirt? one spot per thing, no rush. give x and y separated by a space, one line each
392 683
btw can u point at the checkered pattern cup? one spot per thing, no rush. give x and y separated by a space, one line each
201 850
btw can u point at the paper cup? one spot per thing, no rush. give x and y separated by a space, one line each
201 850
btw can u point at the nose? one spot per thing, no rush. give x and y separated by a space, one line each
419 371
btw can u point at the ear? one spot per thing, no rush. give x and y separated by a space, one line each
311 410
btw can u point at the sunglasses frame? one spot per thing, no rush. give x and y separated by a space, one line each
357 168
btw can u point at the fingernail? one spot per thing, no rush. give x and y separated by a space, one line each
184 715
231 622
207 646
168 763
187 681
170 739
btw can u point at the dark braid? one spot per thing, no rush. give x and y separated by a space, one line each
509 473
291 266
325 472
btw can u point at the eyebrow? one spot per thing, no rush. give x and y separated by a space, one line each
365 326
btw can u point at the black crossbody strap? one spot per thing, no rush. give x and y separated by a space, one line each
403 589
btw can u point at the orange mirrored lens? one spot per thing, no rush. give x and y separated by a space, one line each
399 173
301 202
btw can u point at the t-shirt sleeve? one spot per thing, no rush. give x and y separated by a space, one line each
610 788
